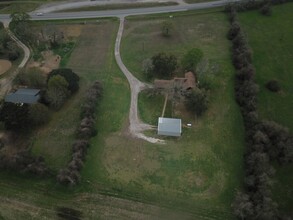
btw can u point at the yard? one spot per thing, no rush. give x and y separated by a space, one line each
271 41
200 170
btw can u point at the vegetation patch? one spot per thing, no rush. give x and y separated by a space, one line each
271 52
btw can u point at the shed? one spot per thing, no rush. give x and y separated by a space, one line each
28 96
169 126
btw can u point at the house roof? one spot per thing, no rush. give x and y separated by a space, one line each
169 126
28 96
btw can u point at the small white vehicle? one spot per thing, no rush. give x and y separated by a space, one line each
39 14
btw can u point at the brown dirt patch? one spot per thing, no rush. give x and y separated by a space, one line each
50 62
5 65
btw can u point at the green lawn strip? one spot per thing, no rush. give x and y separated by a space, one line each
197 1
120 6
271 41
199 171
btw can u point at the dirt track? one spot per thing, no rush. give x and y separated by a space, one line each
136 127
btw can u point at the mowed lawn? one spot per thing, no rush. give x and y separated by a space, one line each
271 39
198 172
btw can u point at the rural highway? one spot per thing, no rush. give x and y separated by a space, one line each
121 12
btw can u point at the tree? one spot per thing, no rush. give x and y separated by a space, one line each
15 116
38 114
196 101
18 17
243 206
164 65
191 59
167 27
20 23
273 86
71 78
57 91
266 9
32 78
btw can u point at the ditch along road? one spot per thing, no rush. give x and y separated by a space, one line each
136 127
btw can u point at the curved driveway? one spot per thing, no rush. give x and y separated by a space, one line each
136 127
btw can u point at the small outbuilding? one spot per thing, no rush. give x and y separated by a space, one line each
169 127
27 96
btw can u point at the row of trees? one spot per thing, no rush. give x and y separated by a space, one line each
164 65
86 129
266 141
264 6
24 162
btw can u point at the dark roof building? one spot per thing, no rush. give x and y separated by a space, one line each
27 96
169 127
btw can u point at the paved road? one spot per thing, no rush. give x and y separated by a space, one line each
122 12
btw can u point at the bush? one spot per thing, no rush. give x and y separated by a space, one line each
273 86
71 78
266 9
196 101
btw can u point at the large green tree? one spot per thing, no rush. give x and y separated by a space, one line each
191 59
196 101
164 65
15 116
71 78
57 91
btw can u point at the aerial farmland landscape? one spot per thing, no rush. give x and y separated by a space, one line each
146 109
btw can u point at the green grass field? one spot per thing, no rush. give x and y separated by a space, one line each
271 41
195 175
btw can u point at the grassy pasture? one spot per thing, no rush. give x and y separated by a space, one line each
271 41
200 170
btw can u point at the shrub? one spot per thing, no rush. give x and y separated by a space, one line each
71 78
273 86
38 114
266 9
196 101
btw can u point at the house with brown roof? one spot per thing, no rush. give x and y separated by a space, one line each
184 84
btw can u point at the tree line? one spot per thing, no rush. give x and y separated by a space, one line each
266 141
70 175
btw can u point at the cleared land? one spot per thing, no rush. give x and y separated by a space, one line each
271 41
5 65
